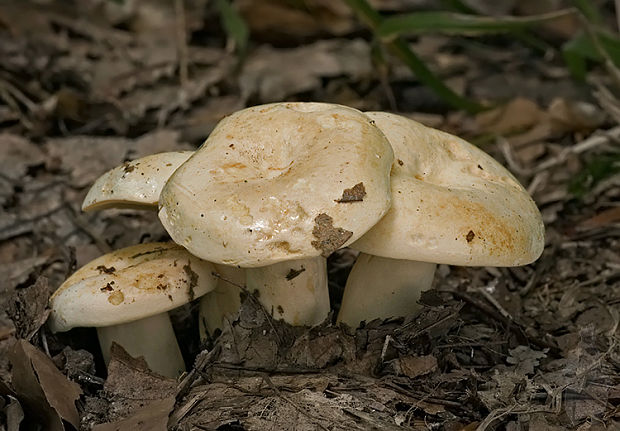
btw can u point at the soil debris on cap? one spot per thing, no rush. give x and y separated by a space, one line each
128 167
354 194
107 288
294 273
105 270
470 236
193 280
328 237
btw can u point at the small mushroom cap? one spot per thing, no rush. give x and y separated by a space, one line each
451 203
130 284
280 182
134 184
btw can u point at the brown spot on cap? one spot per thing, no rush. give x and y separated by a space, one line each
470 236
400 162
116 298
280 309
107 288
294 273
328 237
354 194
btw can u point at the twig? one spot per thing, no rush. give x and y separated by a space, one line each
506 150
179 8
201 362
585 145
496 304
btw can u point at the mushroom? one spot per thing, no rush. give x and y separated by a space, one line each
135 184
452 204
126 294
275 189
222 301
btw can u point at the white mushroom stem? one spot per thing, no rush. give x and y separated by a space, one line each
152 338
380 287
295 290
221 301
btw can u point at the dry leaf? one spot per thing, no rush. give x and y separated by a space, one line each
516 116
47 396
575 116
275 74
28 308
132 385
152 417
414 366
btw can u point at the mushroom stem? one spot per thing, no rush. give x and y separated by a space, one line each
221 301
380 287
295 290
137 338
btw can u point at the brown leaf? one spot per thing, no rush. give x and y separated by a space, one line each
28 308
264 75
274 19
414 366
516 116
47 396
575 116
132 385
152 417
17 154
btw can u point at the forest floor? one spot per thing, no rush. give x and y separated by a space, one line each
85 86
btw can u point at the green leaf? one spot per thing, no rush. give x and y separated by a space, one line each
456 23
589 10
234 25
581 49
593 173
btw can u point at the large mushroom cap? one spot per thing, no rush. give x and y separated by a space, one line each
130 284
134 184
280 182
451 203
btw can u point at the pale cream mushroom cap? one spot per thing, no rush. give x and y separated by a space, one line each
451 203
134 184
130 284
280 182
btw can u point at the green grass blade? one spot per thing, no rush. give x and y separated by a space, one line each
401 49
457 23
234 25
581 49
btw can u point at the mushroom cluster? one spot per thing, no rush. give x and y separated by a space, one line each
272 192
